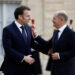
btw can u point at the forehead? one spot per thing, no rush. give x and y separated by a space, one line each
26 12
55 15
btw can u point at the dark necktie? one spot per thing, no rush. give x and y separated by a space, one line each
55 38
24 34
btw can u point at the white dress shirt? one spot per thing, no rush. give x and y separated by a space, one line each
19 26
61 29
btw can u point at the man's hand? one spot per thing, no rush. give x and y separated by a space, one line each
55 56
33 31
29 59
50 51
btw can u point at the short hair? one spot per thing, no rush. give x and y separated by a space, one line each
63 15
19 11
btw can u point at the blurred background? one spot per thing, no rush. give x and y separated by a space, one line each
42 12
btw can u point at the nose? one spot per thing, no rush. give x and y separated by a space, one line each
29 18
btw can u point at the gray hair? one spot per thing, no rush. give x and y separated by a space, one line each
63 14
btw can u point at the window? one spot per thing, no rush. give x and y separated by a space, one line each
10 12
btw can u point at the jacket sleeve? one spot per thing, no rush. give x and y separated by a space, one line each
45 43
41 45
7 45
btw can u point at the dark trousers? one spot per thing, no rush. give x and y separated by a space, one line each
54 72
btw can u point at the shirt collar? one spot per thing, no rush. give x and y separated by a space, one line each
61 29
18 24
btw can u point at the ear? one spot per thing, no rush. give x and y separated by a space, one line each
20 17
62 19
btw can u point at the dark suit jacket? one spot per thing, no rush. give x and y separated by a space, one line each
65 46
15 48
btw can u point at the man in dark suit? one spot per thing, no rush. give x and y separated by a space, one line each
17 42
62 60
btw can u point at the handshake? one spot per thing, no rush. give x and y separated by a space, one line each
28 59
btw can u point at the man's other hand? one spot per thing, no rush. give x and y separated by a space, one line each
34 33
55 56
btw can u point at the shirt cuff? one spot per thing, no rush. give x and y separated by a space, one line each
22 60
58 56
35 36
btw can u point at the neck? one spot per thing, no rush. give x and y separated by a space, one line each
20 22
61 25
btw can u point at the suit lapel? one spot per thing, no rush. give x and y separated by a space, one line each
63 36
17 32
63 33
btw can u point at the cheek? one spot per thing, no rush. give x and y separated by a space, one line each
54 21
27 18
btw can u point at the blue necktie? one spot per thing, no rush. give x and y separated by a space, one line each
55 39
56 36
24 34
